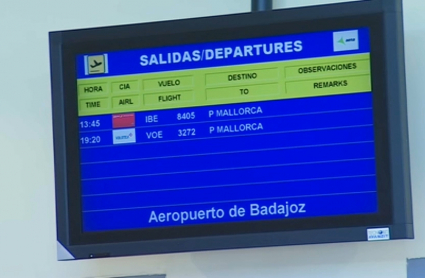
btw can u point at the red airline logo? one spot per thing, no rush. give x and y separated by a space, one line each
123 120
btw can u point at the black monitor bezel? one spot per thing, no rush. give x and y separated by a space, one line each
65 118
71 128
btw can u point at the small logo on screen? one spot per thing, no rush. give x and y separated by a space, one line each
123 120
378 234
124 136
95 64
346 40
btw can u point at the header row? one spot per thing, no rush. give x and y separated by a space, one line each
227 53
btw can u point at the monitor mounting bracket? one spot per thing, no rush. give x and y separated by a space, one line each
261 5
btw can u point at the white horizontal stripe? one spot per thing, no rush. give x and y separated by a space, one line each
232 201
235 168
230 152
229 185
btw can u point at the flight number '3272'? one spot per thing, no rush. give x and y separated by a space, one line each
186 132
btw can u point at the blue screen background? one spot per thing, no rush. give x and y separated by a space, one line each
312 157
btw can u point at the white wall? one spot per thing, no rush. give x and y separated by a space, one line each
27 220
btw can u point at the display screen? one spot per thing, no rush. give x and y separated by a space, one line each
247 130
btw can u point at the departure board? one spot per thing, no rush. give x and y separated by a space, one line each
258 129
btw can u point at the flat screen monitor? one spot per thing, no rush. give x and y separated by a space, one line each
264 129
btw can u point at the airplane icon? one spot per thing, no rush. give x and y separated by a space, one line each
96 64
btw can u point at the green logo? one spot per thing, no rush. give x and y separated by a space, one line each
341 41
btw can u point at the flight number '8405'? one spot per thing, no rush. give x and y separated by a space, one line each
186 116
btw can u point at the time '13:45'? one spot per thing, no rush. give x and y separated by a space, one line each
89 124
